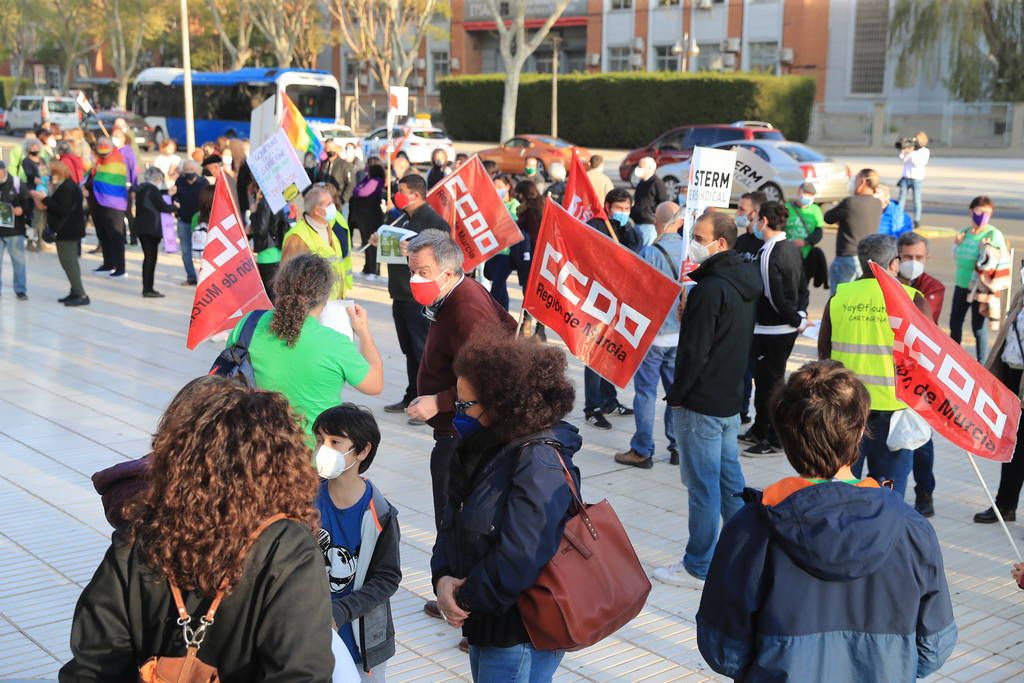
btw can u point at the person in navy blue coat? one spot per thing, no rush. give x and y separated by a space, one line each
824 577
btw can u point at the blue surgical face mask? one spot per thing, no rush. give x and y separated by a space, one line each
466 425
806 200
742 221
620 217
757 231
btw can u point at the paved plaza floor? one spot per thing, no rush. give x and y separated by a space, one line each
81 389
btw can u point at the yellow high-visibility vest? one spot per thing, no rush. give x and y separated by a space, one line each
331 252
862 339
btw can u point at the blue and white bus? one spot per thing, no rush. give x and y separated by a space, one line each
223 102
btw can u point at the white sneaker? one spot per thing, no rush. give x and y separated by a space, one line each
676 575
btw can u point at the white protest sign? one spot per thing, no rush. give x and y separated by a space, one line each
710 184
398 101
278 171
83 102
752 172
263 122
389 248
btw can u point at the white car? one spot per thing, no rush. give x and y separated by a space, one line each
794 163
339 133
418 143
28 112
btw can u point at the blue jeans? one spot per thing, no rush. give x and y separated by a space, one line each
710 469
906 186
15 246
883 464
979 325
185 238
843 269
659 363
599 394
517 664
924 462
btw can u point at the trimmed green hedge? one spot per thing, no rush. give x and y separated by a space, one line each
7 89
626 109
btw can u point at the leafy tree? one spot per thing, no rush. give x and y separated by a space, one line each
984 40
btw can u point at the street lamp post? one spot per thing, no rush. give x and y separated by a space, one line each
186 65
556 41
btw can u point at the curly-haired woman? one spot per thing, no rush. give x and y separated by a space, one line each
293 353
223 462
508 499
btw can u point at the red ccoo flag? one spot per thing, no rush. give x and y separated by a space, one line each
481 225
580 199
603 300
958 397
229 284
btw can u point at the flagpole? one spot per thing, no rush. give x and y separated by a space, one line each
995 508
186 65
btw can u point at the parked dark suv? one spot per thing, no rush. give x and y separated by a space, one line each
678 143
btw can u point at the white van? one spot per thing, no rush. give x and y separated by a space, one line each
28 112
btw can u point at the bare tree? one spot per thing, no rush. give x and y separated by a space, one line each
239 13
386 34
516 44
286 24
73 26
130 25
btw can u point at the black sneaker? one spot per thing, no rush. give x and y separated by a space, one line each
65 298
77 301
762 449
923 504
989 516
22 296
598 420
673 456
396 407
748 437
116 273
103 269
153 295
620 409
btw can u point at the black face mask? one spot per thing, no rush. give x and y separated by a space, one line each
331 155
190 177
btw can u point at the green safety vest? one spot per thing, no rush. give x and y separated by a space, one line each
340 258
862 339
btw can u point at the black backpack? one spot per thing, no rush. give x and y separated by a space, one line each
234 361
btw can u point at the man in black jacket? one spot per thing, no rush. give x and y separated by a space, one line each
706 395
338 170
411 325
14 194
650 191
781 316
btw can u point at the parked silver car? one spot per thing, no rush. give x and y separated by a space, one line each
793 163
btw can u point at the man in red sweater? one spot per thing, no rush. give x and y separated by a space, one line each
913 249
457 306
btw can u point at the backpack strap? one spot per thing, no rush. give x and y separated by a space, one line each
664 251
581 508
248 330
194 636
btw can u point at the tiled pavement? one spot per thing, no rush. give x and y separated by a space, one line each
81 389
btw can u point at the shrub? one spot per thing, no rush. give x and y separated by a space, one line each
627 109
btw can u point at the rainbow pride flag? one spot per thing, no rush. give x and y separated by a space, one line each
302 137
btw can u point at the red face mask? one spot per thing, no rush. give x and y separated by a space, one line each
424 291
401 201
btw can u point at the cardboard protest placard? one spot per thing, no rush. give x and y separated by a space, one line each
6 215
263 122
389 247
480 223
710 184
752 172
603 300
952 391
278 171
229 283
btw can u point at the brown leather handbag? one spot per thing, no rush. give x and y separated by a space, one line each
189 669
592 587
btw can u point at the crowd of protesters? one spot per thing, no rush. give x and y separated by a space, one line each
497 404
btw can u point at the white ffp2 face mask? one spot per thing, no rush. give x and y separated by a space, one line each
911 270
330 463
697 252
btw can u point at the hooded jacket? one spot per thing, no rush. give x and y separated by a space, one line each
826 582
715 336
506 529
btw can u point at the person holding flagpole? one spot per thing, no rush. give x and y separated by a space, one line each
855 330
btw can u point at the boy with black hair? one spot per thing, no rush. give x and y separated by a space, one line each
359 535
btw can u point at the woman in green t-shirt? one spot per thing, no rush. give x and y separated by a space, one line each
969 243
293 353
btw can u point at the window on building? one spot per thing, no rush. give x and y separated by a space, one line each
440 67
351 69
763 56
867 72
665 59
668 3
618 58
621 4
710 57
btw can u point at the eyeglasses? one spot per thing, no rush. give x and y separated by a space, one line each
463 406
